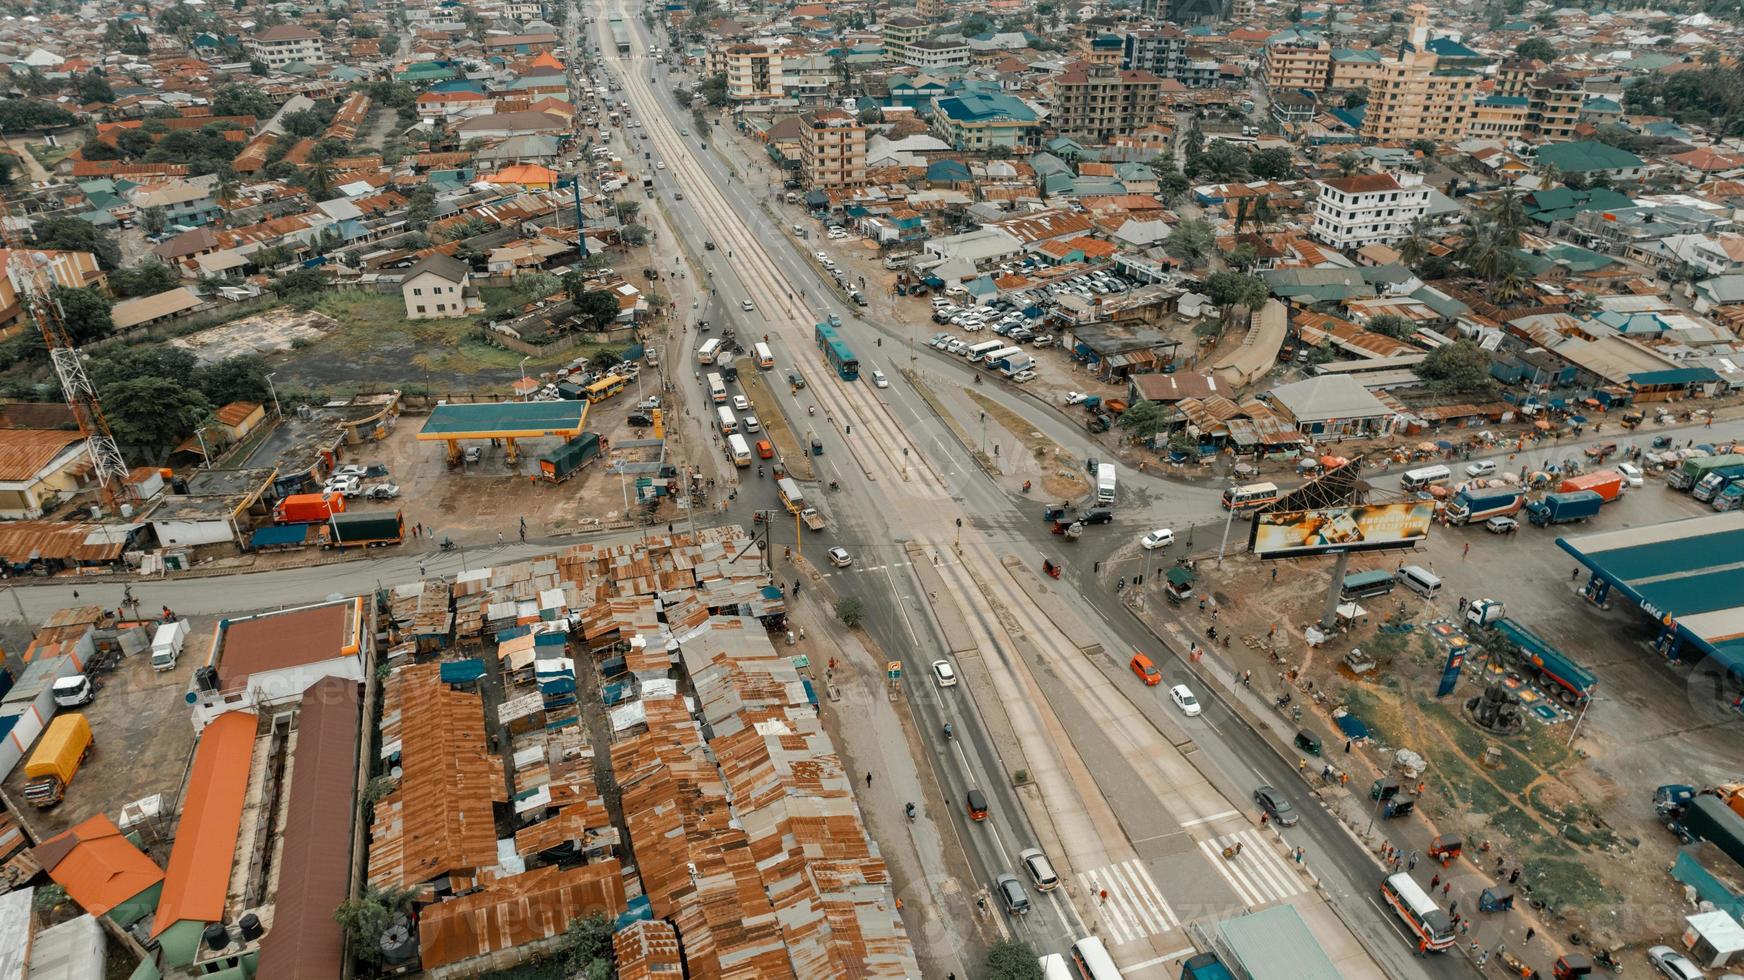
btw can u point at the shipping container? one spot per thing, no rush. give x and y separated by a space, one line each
364 530
307 508
566 460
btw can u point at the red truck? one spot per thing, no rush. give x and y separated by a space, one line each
308 508
1608 484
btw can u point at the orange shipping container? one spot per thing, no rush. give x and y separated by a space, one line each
307 508
1606 483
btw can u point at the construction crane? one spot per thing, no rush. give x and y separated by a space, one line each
33 281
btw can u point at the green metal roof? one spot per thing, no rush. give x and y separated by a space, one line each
504 420
1275 944
1586 156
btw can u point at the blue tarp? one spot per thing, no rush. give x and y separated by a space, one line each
279 534
462 671
1352 726
550 640
504 636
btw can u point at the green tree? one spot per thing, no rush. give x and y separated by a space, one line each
627 210
1146 418
1348 164
1537 49
22 115
299 281
93 87
597 309
85 311
683 96
1191 240
1273 164
150 415
1392 325
8 165
714 90
1233 290
587 948
1011 959
120 364
303 122
235 379
146 279
153 220
1459 368
76 235
365 918
134 142
1221 160
236 99
850 611
634 236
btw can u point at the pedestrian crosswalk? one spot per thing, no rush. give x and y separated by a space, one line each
1259 874
1133 907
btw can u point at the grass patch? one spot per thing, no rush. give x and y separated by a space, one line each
1568 883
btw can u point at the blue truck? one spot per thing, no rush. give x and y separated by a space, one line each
1715 480
1730 496
1564 508
1568 681
1205 966
1478 505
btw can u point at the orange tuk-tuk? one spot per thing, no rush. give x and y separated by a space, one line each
1445 849
976 803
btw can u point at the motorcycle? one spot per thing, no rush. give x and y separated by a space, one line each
447 544
948 732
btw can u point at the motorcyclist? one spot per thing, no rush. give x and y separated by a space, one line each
911 813
948 731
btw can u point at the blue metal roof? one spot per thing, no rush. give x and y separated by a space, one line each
1675 376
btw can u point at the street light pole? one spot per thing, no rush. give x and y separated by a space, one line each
524 361
1227 521
275 396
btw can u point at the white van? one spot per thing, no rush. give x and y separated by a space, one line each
1423 479
739 450
166 644
1420 580
710 349
729 424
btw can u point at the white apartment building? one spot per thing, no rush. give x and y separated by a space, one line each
287 43
1355 211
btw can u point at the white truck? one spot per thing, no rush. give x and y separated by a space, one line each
1105 484
166 644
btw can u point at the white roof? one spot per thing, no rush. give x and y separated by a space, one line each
1329 398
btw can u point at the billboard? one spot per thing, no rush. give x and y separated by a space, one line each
1364 527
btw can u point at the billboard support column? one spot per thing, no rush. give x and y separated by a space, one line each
1329 615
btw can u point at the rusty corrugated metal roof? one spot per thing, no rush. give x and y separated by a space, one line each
517 910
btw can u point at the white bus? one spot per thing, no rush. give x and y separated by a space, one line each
729 424
765 356
1000 354
1093 961
985 347
1423 479
738 449
1054 967
717 388
710 349
1431 927
1250 496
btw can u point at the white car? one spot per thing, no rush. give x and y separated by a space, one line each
944 673
879 380
350 470
347 486
1183 697
1022 376
660 165
840 558
1162 537
1040 869
1481 468
741 403
751 423
747 305
820 256
1631 474
1674 964
1075 397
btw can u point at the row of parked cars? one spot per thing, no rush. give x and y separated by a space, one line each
1011 324
1089 285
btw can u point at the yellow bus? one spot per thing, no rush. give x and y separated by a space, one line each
605 388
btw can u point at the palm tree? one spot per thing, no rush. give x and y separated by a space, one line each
1510 285
1348 164
320 178
1509 216
1415 246
1241 215
227 190
1484 252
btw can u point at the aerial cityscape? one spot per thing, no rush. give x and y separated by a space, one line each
948 489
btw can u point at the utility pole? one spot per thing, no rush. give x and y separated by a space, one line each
1227 521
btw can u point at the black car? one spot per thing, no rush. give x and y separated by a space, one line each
709 245
795 379
1273 803
640 419
1098 515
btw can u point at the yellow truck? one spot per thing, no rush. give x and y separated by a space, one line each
58 755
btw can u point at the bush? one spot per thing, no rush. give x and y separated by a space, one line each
850 611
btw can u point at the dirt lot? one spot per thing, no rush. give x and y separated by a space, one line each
142 739
1577 819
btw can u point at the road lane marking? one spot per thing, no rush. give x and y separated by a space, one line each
1177 954
1135 907
1259 875
1214 816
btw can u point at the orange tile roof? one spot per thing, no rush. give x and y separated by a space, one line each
205 847
97 866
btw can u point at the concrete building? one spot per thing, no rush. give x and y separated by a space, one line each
933 10
1098 101
1351 212
39 468
287 44
1161 52
59 268
832 150
436 288
1498 117
1414 97
1553 106
978 123
1296 59
754 73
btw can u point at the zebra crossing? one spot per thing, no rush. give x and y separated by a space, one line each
1259 874
1134 908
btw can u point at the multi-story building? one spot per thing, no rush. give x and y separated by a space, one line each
1099 49
74 270
1195 11
1296 59
977 122
1415 98
1514 76
933 10
1354 68
1553 106
1498 117
1161 52
1098 102
1351 212
754 73
832 150
285 44
930 53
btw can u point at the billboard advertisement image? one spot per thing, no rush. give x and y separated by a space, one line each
1364 527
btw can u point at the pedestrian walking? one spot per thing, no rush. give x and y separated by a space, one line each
1462 604
1514 877
796 587
1574 575
1467 550
499 538
420 569
1446 886
1300 854
1274 573
1435 881
1530 932
868 780
1411 865
1453 909
1347 746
